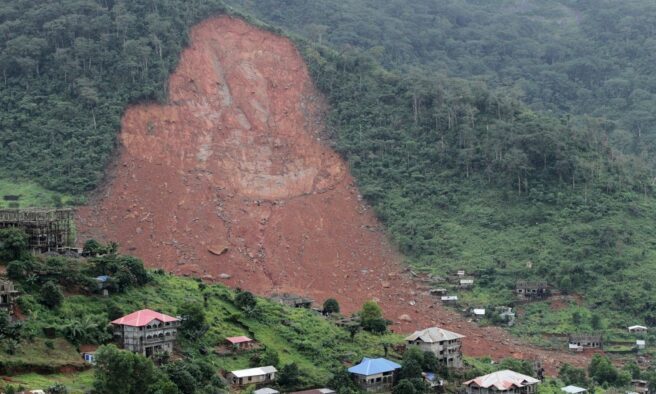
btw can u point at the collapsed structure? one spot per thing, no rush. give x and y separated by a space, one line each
47 229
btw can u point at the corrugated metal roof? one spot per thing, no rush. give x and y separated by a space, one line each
142 318
574 389
434 334
266 390
241 339
244 373
373 366
503 380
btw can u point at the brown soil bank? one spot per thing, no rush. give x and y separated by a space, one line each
230 177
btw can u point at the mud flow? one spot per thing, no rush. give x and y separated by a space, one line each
231 181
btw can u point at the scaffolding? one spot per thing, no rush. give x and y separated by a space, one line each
47 229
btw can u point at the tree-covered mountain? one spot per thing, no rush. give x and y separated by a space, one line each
577 57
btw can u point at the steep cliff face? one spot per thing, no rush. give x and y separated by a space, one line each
231 181
231 177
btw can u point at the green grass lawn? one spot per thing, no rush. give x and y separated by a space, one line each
30 195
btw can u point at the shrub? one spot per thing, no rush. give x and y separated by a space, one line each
51 295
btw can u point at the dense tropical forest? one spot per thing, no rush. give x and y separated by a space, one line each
564 56
511 138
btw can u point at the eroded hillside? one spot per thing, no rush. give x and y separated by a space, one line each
230 181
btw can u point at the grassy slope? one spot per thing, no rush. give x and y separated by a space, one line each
31 195
307 339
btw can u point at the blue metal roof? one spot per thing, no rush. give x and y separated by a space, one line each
102 278
373 366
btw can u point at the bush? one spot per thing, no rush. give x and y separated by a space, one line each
330 306
51 295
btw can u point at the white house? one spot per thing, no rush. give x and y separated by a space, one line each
244 377
641 344
637 329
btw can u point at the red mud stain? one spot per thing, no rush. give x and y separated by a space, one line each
231 177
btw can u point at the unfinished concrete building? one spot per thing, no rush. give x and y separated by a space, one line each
532 290
295 301
8 296
47 229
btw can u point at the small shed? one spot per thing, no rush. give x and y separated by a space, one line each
466 283
449 299
641 344
88 353
478 313
240 343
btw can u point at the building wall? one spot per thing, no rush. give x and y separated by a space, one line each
260 379
448 352
381 382
531 389
148 340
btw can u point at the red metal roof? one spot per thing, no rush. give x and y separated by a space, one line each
142 318
235 340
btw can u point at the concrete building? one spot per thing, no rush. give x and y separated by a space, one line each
375 374
506 381
638 329
531 290
446 345
8 296
585 341
146 332
257 376
293 300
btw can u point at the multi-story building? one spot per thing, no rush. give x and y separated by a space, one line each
446 345
146 332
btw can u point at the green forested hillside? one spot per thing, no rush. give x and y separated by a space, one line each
581 57
462 171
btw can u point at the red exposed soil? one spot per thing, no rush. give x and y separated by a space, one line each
231 177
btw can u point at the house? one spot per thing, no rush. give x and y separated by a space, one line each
146 332
574 390
266 390
88 353
466 283
315 391
531 290
245 377
292 300
585 341
8 296
478 313
638 329
375 374
446 345
641 344
438 291
449 299
640 386
241 343
505 381
460 273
